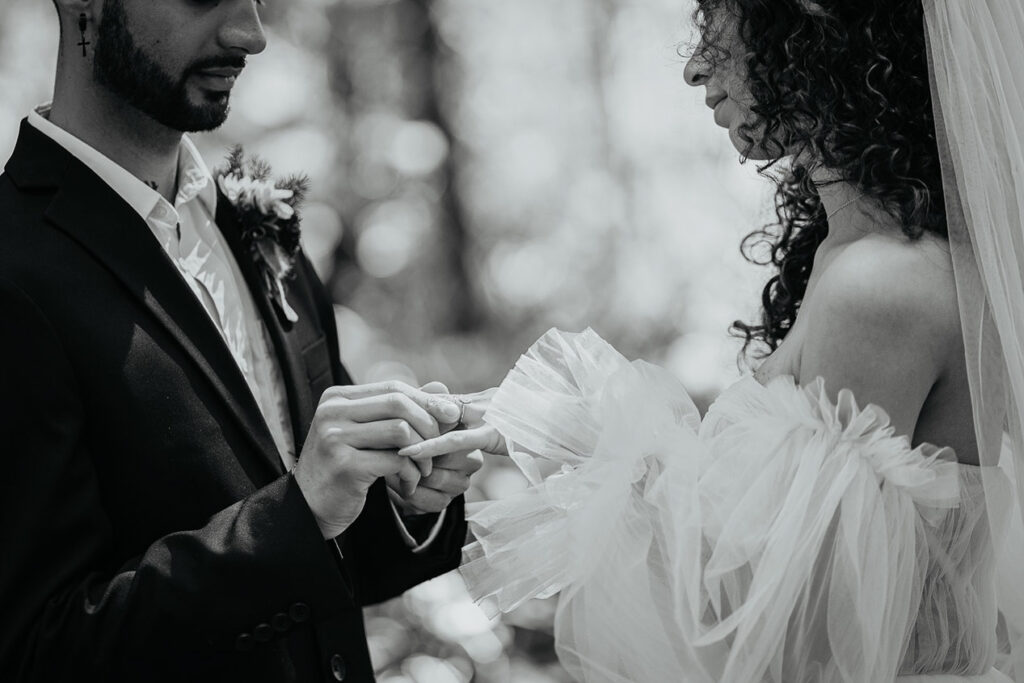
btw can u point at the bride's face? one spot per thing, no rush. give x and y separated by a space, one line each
718 65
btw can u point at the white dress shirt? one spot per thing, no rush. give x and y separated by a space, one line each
188 233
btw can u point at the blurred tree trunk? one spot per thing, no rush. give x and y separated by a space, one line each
439 68
436 75
390 58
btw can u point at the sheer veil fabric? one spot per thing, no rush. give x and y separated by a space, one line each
977 62
787 537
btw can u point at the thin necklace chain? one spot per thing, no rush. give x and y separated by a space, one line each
833 214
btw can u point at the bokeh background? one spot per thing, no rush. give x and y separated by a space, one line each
483 171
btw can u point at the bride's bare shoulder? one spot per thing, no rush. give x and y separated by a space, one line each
883 322
892 280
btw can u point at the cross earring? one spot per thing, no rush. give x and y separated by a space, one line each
83 23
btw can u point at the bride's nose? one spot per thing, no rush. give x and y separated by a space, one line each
698 70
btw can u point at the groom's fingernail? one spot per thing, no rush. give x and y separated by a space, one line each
450 411
413 450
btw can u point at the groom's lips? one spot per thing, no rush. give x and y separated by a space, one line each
218 79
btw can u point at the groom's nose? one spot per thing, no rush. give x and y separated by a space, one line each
242 29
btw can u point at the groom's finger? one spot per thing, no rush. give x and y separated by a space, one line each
393 406
454 480
440 409
405 481
441 390
381 435
463 462
422 500
435 388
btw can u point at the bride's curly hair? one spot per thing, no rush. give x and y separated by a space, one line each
838 85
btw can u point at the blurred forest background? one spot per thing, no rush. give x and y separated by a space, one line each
483 171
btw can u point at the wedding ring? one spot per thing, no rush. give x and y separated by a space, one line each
462 412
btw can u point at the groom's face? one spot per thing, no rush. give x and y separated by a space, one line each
176 60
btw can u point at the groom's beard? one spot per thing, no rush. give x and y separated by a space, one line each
125 69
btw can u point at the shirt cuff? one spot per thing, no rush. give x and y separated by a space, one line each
413 544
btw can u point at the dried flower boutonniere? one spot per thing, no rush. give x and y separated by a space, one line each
268 215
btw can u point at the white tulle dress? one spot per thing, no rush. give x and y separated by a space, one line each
783 538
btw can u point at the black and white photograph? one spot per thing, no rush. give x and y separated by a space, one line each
542 341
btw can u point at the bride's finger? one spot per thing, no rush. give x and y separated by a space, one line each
484 438
446 443
475 406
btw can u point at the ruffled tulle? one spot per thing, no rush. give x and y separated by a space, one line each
785 537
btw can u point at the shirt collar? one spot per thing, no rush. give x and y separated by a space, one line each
194 178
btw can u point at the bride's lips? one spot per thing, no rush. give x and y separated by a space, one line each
719 116
221 79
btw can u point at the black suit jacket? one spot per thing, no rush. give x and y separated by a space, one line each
147 528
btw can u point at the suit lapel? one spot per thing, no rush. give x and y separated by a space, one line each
91 213
299 345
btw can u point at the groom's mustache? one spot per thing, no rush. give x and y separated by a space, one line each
222 62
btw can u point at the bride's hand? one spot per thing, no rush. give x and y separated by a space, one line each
471 435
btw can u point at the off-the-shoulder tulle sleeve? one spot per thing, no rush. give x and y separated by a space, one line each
561 409
784 538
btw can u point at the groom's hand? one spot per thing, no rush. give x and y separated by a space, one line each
353 441
474 434
451 470
449 479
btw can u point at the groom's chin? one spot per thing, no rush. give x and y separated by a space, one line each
209 108
211 116
203 112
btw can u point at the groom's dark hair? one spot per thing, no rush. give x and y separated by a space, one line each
60 24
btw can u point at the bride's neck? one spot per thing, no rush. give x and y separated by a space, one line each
851 214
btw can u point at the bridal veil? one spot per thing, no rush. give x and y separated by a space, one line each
977 63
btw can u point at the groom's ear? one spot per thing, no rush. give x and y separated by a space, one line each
69 12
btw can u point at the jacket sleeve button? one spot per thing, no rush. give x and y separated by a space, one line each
263 633
299 612
280 622
338 667
244 642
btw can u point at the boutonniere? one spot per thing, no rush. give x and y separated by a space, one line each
268 215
